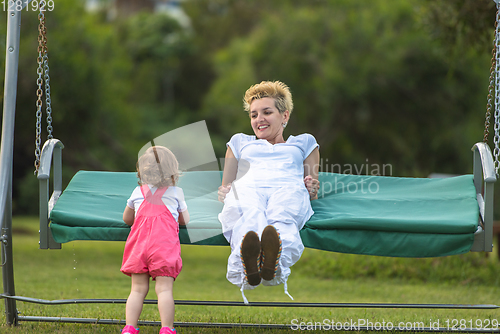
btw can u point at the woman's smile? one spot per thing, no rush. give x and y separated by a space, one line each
267 121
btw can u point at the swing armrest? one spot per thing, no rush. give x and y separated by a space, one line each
484 179
483 155
51 153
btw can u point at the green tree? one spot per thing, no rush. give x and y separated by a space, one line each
157 45
463 25
88 91
107 88
367 82
460 23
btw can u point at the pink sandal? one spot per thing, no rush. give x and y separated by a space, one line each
130 330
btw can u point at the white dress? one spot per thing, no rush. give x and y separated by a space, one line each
269 190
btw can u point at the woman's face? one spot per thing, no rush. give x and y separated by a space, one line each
266 120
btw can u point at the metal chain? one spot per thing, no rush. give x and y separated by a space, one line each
42 62
47 96
496 151
491 89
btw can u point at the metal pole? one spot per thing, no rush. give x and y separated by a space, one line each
257 304
8 268
6 159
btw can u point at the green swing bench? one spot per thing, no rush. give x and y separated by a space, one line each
371 215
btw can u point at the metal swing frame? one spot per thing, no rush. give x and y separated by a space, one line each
485 174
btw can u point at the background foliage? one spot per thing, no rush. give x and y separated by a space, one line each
381 82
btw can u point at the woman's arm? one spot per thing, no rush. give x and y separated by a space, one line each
128 215
311 168
230 168
229 175
184 217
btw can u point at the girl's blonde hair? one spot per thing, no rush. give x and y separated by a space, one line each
274 89
158 167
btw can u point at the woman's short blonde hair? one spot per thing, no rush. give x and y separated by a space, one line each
274 89
158 167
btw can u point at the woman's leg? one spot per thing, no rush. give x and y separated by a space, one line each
291 251
135 301
247 211
288 209
166 307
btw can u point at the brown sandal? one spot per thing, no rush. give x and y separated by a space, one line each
250 254
271 252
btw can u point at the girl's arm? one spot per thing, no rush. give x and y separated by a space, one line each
128 216
184 217
229 175
311 167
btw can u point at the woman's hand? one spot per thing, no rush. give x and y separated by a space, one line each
223 190
312 186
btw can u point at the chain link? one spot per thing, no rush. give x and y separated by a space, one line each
39 91
48 101
494 93
496 151
491 94
43 75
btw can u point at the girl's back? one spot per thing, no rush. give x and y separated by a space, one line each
153 243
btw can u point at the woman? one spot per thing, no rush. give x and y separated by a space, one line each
266 196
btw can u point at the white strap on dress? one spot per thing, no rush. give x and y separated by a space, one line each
245 300
286 290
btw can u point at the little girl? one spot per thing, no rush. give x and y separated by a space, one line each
153 248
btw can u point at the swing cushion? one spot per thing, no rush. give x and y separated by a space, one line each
372 215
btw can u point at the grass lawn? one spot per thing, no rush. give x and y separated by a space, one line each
92 270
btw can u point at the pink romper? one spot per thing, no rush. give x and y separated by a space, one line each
153 244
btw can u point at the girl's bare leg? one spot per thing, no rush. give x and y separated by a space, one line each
166 306
135 301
